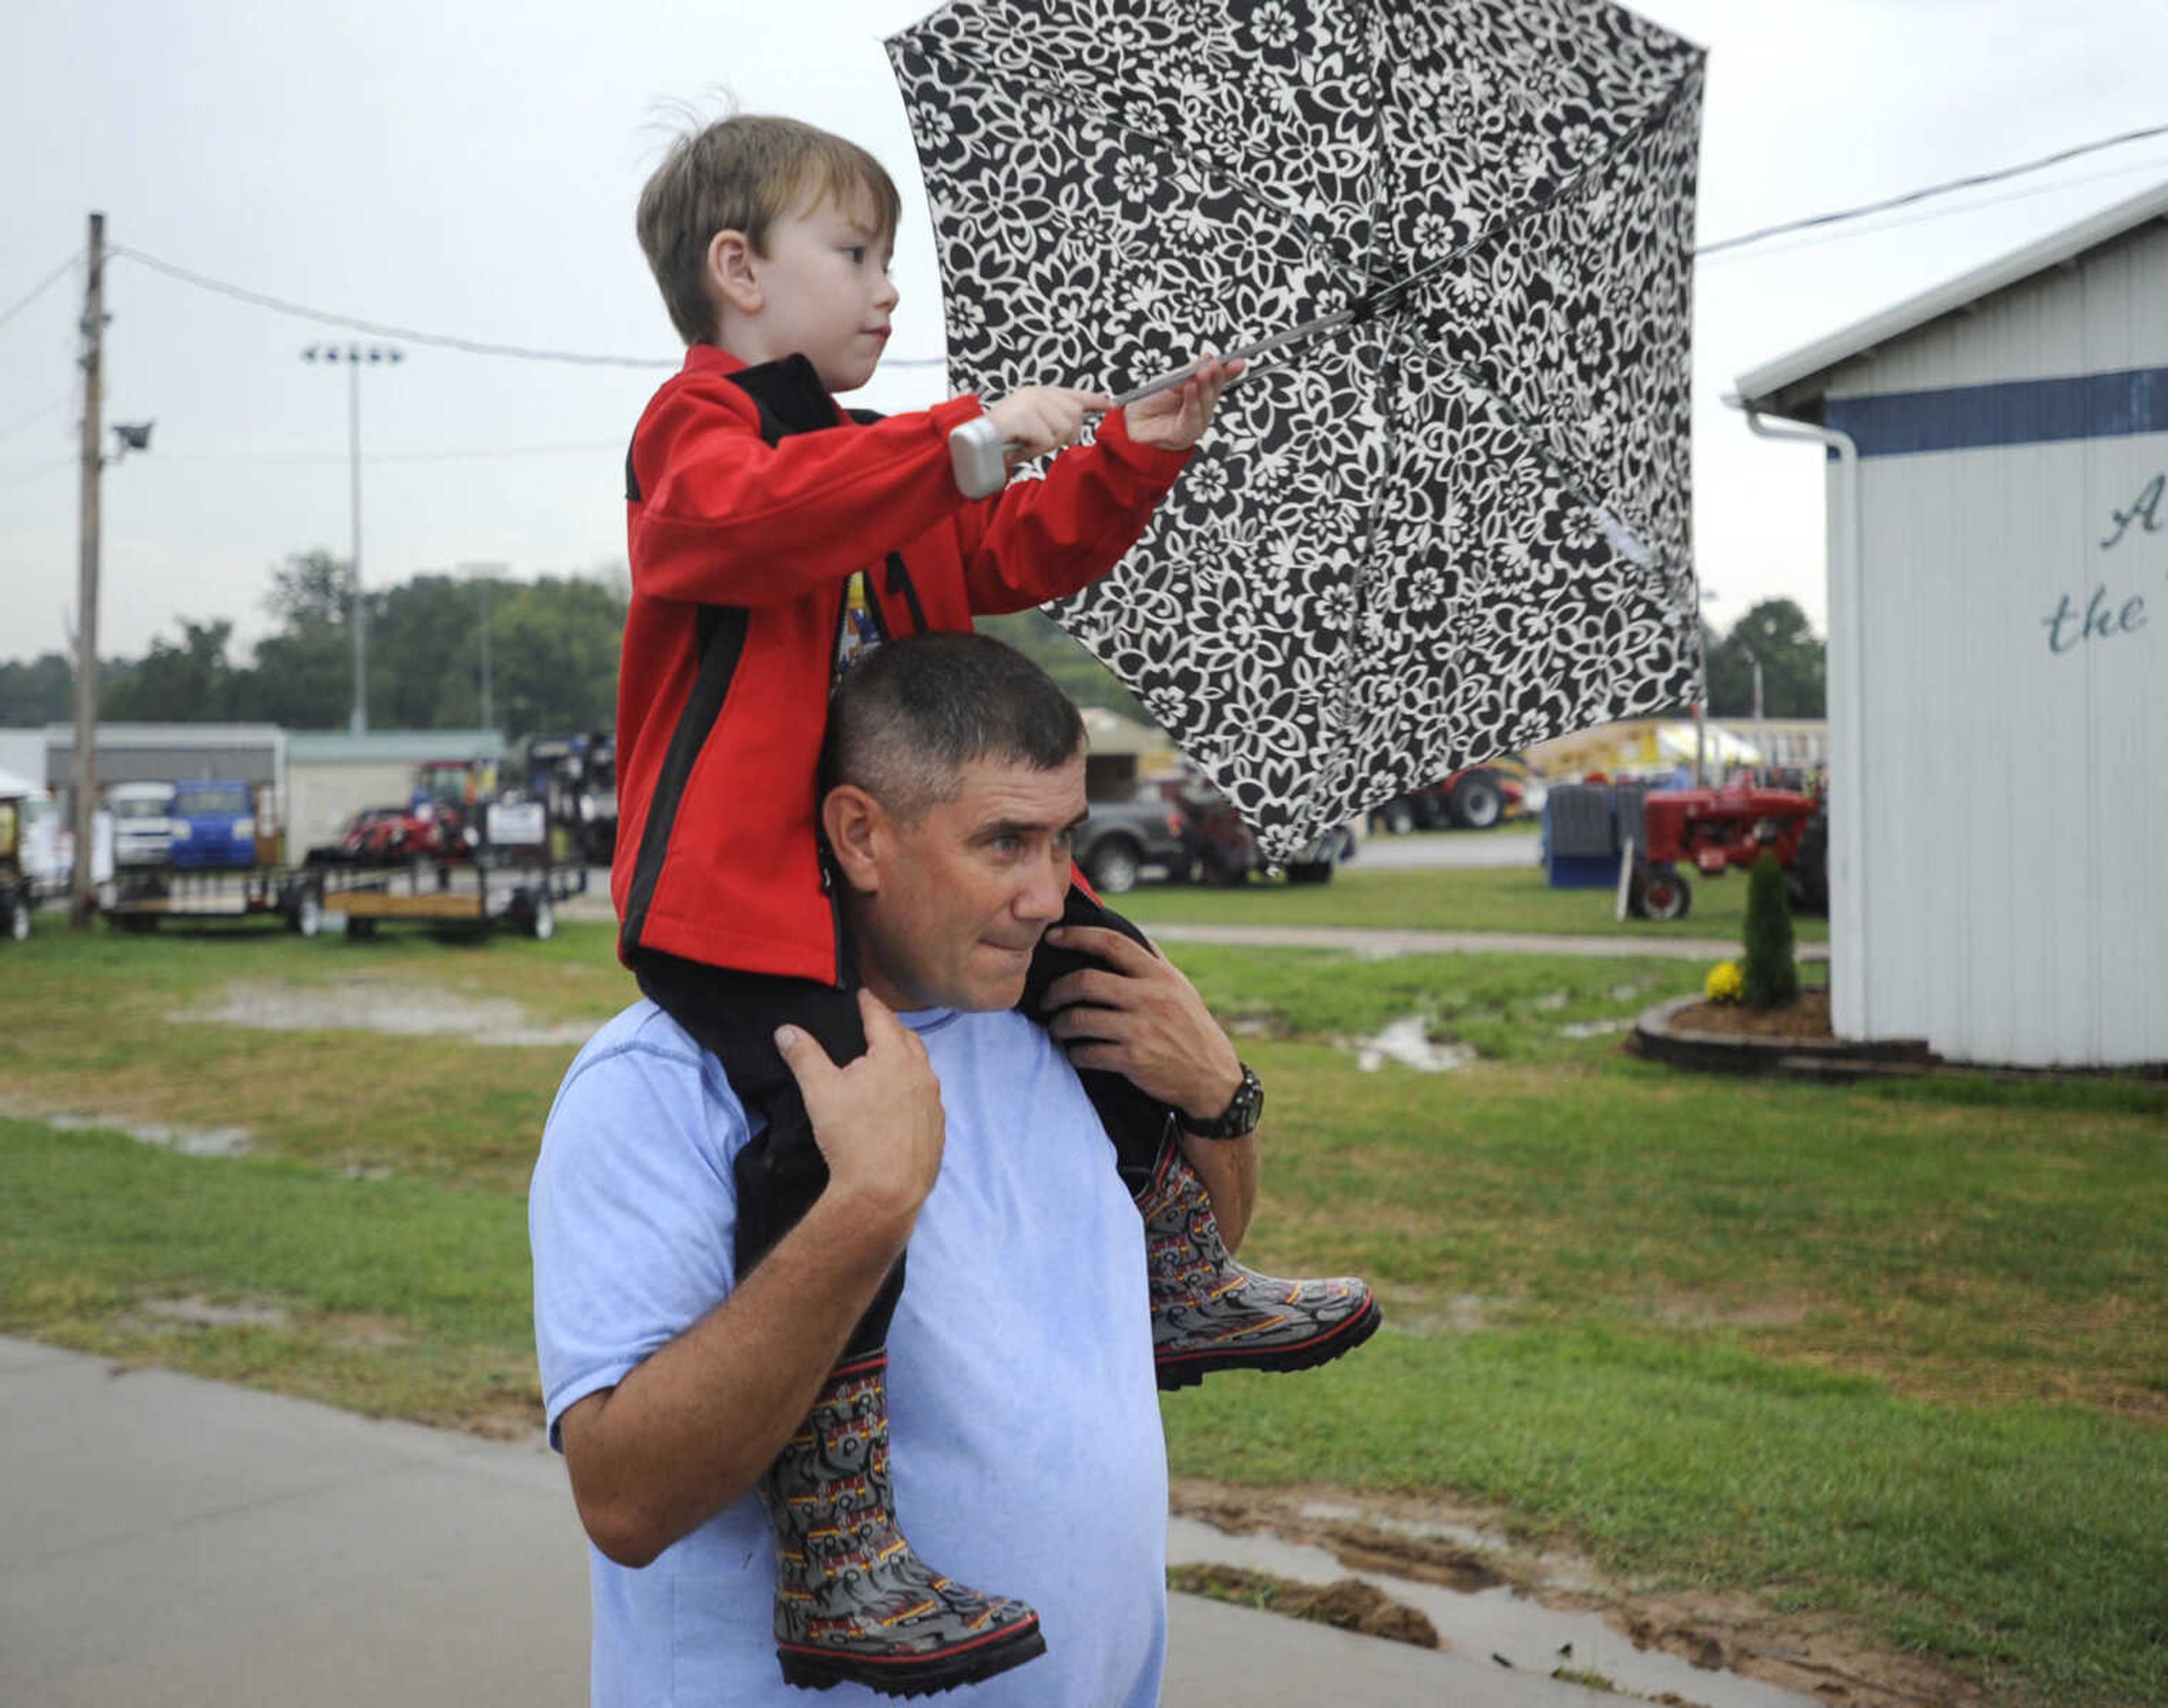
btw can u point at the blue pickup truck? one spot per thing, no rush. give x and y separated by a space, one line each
214 826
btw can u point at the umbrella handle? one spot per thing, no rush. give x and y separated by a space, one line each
980 456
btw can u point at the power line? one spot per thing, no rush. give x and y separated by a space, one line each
523 352
42 287
1940 189
473 347
614 446
39 473
1932 213
36 416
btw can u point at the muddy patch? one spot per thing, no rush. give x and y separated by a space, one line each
196 1311
189 1141
1407 1041
1347 1605
1546 1611
383 1005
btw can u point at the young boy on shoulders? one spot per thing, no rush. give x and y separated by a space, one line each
774 538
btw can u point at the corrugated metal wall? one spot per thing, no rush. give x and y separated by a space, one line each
2012 773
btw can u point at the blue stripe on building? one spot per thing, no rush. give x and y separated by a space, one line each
2014 412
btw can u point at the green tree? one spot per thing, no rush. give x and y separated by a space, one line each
1050 646
555 648
1794 666
1770 971
303 677
427 631
41 691
189 683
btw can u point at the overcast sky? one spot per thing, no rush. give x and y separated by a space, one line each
470 169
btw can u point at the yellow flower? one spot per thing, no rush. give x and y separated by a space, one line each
1725 982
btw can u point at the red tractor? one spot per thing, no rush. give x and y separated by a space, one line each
1714 829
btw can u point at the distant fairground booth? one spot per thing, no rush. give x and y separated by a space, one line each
1998 650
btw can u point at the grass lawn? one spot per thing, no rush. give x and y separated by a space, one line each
1897 1353
1479 899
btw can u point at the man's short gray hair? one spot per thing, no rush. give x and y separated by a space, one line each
911 715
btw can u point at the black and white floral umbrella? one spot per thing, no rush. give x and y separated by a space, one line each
1449 520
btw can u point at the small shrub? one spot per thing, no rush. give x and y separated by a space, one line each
1771 973
1725 982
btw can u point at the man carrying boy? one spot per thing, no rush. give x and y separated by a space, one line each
1025 1412
775 541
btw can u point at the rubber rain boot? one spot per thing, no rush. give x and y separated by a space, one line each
853 1601
1209 1312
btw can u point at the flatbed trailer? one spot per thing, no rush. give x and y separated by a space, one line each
143 900
508 879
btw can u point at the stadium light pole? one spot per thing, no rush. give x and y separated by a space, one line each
486 574
354 355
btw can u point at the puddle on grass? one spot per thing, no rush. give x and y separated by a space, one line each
1497 1623
402 1010
1407 1041
189 1141
195 1312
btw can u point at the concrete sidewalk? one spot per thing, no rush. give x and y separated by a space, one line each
171 1543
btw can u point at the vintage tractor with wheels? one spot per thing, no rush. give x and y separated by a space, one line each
1713 830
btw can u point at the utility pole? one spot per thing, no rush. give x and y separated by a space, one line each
84 903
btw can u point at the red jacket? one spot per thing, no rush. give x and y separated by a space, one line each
746 519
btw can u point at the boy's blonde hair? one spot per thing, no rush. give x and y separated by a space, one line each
740 174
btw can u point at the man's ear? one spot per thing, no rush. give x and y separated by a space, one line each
856 828
731 280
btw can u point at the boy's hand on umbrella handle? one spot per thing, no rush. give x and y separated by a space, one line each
1042 418
1175 419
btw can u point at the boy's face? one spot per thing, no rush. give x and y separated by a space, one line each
823 292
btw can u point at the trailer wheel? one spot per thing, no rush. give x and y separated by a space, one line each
541 920
18 918
306 914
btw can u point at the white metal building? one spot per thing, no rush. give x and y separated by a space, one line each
1998 612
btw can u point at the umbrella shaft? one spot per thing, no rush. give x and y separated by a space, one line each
1294 335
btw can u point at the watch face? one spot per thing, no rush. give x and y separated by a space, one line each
1248 1104
1241 1115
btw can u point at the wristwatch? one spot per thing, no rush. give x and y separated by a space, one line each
1239 1119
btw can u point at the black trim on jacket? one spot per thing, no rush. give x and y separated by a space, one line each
791 399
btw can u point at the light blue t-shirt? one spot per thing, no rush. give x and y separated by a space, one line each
1027 1453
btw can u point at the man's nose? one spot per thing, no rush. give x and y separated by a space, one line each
1048 892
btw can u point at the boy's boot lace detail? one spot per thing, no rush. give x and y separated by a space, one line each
1209 1312
853 1601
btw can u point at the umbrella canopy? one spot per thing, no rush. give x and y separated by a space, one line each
1450 525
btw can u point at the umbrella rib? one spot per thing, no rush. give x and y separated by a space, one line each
1388 298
